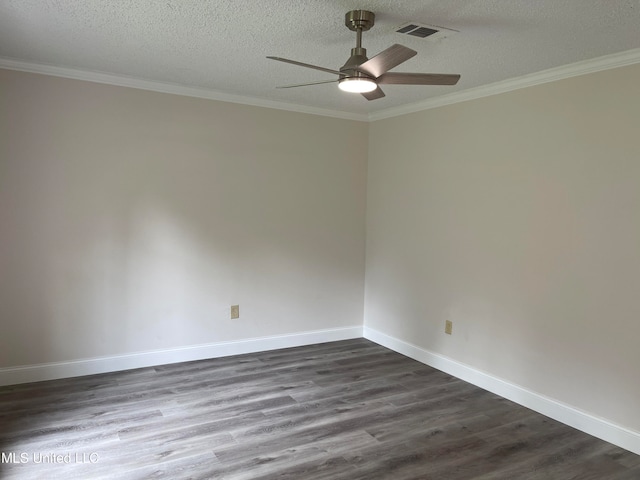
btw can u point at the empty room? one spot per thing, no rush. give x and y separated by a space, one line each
320 240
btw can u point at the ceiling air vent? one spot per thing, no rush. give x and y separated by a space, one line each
420 30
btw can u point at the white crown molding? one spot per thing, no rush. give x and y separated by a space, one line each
90 366
132 82
598 427
606 62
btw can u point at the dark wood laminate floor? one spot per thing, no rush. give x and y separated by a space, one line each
345 410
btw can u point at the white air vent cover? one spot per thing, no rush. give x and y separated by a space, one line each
421 30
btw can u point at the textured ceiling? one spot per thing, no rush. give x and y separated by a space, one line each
221 45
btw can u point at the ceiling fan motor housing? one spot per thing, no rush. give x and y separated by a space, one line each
357 58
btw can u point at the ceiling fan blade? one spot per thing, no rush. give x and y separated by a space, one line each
399 78
300 64
306 84
386 60
375 94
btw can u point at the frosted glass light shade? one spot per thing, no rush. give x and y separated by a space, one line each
357 85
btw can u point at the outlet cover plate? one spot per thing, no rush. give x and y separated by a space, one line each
448 327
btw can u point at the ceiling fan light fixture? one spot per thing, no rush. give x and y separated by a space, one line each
357 85
363 75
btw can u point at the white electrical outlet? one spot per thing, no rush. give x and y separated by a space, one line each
448 327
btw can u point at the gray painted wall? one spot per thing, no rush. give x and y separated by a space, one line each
517 217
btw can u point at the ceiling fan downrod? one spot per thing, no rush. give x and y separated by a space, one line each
357 21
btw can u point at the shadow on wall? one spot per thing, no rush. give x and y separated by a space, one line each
111 280
132 220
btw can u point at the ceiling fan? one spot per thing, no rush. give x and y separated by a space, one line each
365 75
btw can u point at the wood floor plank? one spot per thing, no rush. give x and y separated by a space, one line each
345 410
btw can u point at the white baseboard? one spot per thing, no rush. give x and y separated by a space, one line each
90 366
598 427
